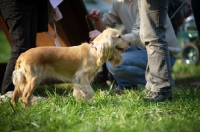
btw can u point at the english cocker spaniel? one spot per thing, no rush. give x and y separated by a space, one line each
77 64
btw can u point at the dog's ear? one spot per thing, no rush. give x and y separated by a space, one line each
104 50
116 58
110 32
116 35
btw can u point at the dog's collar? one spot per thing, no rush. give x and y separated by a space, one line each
92 45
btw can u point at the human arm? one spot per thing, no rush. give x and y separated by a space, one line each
93 34
133 35
94 15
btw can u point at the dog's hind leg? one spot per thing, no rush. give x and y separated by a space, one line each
33 79
28 90
19 81
26 97
15 97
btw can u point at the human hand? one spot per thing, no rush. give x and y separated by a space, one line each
94 15
93 34
125 39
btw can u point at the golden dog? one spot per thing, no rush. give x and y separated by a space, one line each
77 64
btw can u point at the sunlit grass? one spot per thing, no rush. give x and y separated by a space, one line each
125 113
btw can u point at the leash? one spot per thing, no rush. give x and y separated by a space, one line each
88 24
178 9
90 29
54 35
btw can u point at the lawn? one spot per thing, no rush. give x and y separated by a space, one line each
125 113
60 112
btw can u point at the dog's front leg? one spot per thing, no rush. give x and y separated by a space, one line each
82 88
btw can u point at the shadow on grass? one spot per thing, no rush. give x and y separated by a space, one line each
191 81
186 75
63 89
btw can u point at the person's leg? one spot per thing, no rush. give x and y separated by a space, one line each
131 71
153 15
18 17
196 11
124 84
33 27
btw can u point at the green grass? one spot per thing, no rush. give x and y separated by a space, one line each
5 48
186 75
126 113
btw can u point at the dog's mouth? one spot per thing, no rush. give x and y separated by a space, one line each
121 49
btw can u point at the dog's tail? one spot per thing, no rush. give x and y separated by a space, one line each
18 76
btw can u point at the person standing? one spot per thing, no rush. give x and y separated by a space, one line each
153 14
24 19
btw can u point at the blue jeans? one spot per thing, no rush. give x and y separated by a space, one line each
153 15
21 19
131 71
196 11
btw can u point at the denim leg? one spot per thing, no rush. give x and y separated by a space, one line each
132 69
22 22
123 83
196 11
153 15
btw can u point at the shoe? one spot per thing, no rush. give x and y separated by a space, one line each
159 96
117 91
146 91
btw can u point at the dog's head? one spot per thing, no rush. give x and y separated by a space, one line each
110 45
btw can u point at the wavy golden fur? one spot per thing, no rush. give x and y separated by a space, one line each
78 64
